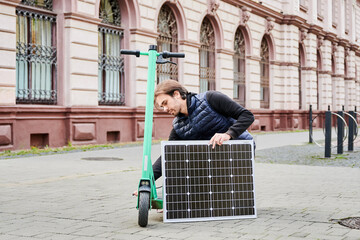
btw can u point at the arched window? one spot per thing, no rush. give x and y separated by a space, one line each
36 59
167 41
111 65
318 69
207 56
264 74
239 68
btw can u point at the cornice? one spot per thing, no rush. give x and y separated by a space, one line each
295 20
13 3
144 32
309 68
317 30
325 72
330 36
82 17
338 75
225 51
344 42
257 9
190 43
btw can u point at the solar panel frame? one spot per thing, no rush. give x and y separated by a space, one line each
204 178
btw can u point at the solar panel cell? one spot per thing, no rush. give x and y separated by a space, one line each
201 183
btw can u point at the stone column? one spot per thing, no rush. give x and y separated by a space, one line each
80 57
225 83
8 51
253 66
190 77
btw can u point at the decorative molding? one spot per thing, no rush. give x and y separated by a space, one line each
82 18
320 41
303 8
7 67
255 58
303 34
269 25
347 51
244 15
13 3
330 36
8 49
309 69
225 51
338 75
325 72
354 47
213 6
315 29
286 64
144 32
334 47
257 9
7 31
190 43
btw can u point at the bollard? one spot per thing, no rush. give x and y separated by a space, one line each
340 133
310 125
351 131
327 134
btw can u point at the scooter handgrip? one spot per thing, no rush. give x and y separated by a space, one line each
173 54
130 52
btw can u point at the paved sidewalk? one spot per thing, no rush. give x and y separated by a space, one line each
63 196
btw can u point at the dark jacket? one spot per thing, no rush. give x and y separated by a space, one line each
203 121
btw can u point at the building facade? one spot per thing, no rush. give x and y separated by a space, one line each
62 78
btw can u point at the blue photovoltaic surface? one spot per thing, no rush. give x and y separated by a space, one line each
201 183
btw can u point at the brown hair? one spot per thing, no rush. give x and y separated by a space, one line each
169 87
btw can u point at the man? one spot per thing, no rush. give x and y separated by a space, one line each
207 116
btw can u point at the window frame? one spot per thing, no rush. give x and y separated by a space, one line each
33 55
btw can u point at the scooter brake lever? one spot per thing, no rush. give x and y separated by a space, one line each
161 60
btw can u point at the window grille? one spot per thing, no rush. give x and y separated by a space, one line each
207 56
239 68
35 58
264 75
46 4
167 41
111 67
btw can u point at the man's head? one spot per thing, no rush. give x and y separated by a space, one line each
170 96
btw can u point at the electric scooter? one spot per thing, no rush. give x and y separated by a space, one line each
147 196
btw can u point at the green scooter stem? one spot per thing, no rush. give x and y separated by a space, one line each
147 171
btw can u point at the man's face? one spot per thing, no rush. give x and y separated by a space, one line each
170 104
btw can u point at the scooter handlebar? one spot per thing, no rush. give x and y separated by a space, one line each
166 54
130 52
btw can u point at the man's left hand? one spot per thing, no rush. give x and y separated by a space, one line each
219 138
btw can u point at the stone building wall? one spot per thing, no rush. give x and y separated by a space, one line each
323 32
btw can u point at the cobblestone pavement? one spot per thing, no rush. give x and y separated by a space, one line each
63 196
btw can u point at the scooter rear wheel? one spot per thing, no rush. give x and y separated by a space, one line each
144 206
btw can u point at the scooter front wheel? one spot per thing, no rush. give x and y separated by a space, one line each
144 206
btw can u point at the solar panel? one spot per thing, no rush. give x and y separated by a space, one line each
202 184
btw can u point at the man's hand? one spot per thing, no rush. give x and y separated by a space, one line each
218 139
